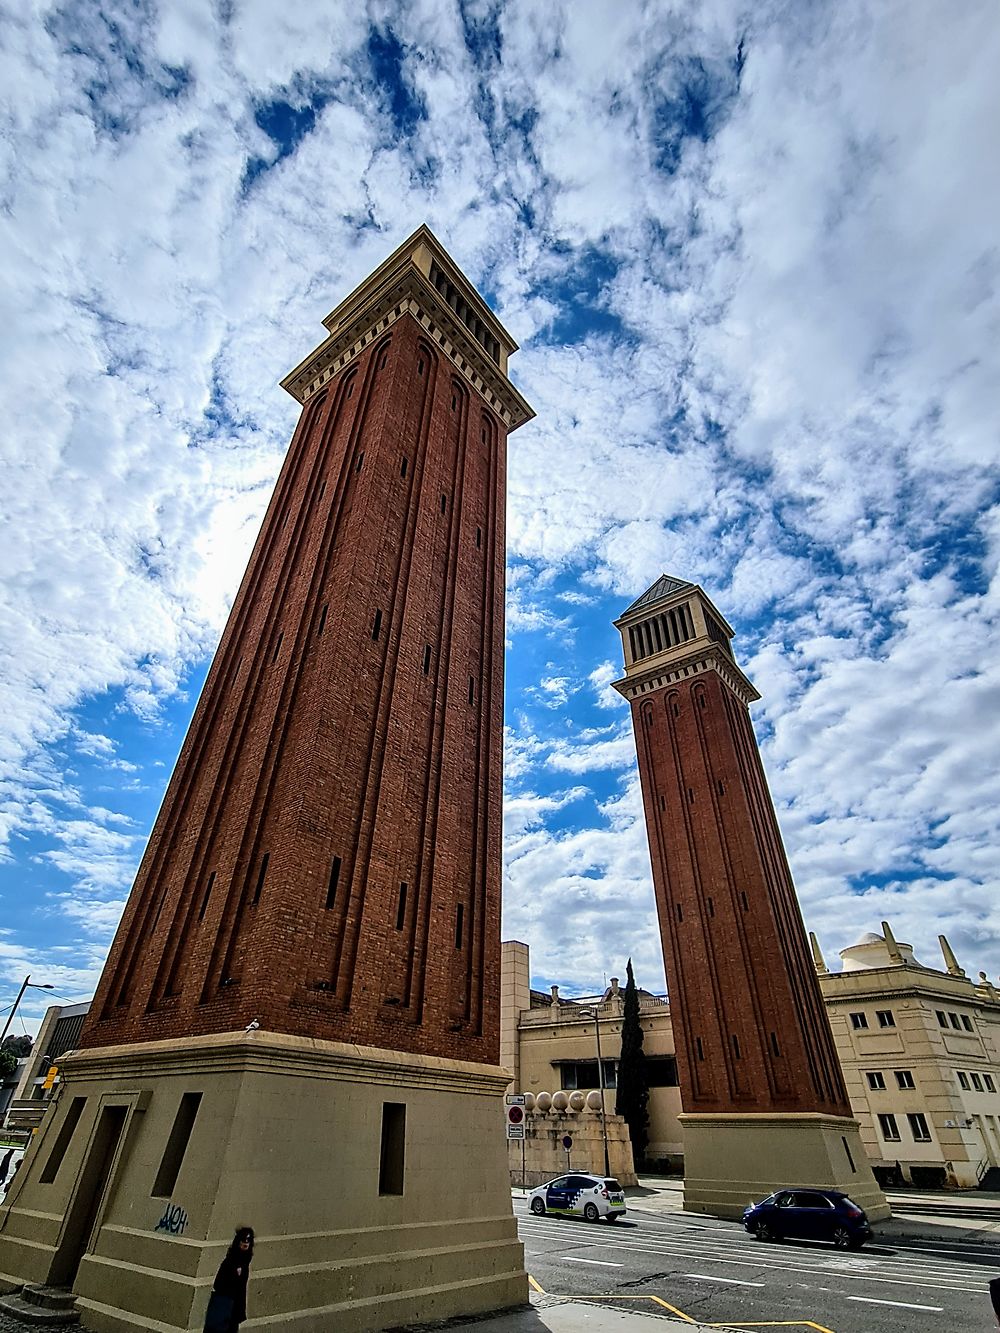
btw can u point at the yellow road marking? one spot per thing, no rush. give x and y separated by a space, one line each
776 1323
764 1323
672 1308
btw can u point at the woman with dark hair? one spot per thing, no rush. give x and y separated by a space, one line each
227 1305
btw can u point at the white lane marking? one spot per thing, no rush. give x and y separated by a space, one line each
902 1305
805 1267
602 1263
732 1281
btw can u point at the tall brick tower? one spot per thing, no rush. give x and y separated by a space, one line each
297 1026
761 1086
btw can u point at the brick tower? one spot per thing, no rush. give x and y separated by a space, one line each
298 1023
764 1097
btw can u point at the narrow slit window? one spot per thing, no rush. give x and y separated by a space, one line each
277 647
208 893
721 787
59 1148
701 700
479 539
699 1048
744 900
680 912
711 907
775 1048
403 466
690 796
454 402
173 1154
322 619
332 882
736 1047
663 803
376 624
361 459
675 710
420 366
427 658
350 388
459 924
444 504
392 1153
472 690
261 876
322 489
401 908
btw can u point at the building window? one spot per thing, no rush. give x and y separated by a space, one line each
990 1085
967 1022
918 1127
977 1082
401 907
699 1048
890 1132
583 1074
859 1021
173 1154
904 1078
942 1018
55 1158
332 881
377 624
953 1019
392 1154
963 1080
885 1018
736 1046
875 1080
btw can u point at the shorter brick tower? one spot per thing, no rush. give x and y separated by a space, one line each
762 1090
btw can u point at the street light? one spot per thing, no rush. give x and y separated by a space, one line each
35 985
592 1013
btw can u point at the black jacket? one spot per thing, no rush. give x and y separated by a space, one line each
231 1280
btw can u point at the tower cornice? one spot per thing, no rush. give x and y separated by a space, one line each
671 668
419 279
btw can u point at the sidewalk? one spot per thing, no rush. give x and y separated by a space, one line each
559 1315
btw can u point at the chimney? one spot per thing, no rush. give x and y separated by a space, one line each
890 940
818 958
950 961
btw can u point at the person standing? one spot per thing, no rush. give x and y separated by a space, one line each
227 1306
4 1165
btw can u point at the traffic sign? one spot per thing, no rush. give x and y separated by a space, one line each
567 1141
516 1099
515 1122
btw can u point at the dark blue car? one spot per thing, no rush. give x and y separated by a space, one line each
809 1214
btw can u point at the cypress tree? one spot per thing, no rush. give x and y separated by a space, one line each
633 1080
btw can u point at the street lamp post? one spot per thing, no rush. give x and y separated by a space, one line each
24 986
600 1081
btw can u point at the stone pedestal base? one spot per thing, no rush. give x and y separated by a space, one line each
376 1182
731 1160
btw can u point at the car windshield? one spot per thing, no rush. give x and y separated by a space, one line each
612 1185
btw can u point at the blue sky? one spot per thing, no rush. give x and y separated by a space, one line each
750 255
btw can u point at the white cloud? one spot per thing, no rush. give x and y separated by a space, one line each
787 395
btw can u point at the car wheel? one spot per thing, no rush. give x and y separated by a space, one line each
764 1231
538 1207
591 1212
613 1217
841 1237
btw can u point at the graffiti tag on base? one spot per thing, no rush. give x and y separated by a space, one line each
174 1220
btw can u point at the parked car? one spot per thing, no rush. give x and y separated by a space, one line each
579 1195
809 1214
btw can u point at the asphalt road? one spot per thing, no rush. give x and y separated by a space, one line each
714 1272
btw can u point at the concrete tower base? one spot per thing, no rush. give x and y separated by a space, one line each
342 1158
731 1160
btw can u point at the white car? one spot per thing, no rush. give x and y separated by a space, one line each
579 1195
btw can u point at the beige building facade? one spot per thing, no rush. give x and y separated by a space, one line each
919 1047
